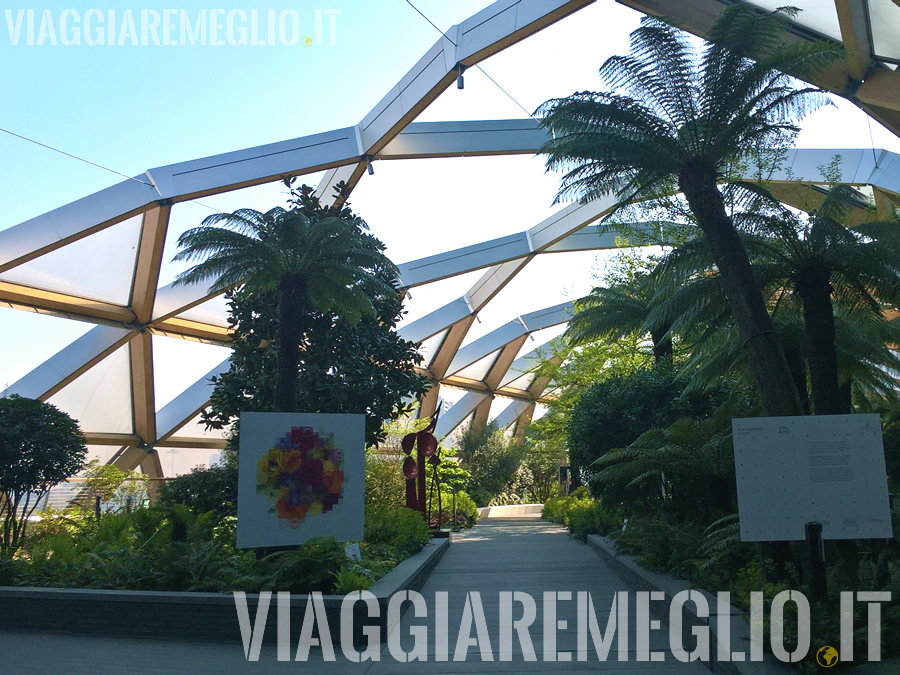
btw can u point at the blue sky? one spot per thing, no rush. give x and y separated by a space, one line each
131 108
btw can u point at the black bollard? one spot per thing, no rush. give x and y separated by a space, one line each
816 546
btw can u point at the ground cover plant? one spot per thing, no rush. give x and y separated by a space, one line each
172 548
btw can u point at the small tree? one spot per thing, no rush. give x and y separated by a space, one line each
313 258
491 457
385 482
539 474
40 446
118 490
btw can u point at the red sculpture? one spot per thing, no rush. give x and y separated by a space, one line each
426 446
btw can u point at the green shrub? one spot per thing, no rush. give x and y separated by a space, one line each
40 446
313 566
173 548
557 508
466 510
582 514
663 546
592 517
395 533
9 571
385 482
213 489
614 412
55 521
352 579
491 458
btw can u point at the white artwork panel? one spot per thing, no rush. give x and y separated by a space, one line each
300 475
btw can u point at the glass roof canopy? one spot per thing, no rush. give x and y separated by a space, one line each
880 25
99 258
868 29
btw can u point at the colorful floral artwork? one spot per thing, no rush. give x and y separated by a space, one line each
301 475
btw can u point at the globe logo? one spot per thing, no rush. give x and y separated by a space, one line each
306 41
827 656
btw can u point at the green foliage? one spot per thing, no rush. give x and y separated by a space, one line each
204 489
582 514
615 411
451 476
491 458
349 580
892 453
40 446
662 545
538 476
175 549
826 280
592 517
395 532
139 551
675 120
556 509
56 521
686 468
466 509
118 490
667 107
385 482
575 370
314 566
344 367
306 259
622 310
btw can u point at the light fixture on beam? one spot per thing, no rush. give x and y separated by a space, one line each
368 159
460 82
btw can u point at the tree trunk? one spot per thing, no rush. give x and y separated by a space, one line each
798 372
845 394
764 353
662 345
291 322
818 318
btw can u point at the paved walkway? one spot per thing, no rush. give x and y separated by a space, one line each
524 554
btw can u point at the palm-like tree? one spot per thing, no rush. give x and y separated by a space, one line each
826 265
680 124
690 462
612 312
828 285
312 257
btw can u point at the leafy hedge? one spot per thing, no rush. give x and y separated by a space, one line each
582 514
176 549
396 533
466 510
